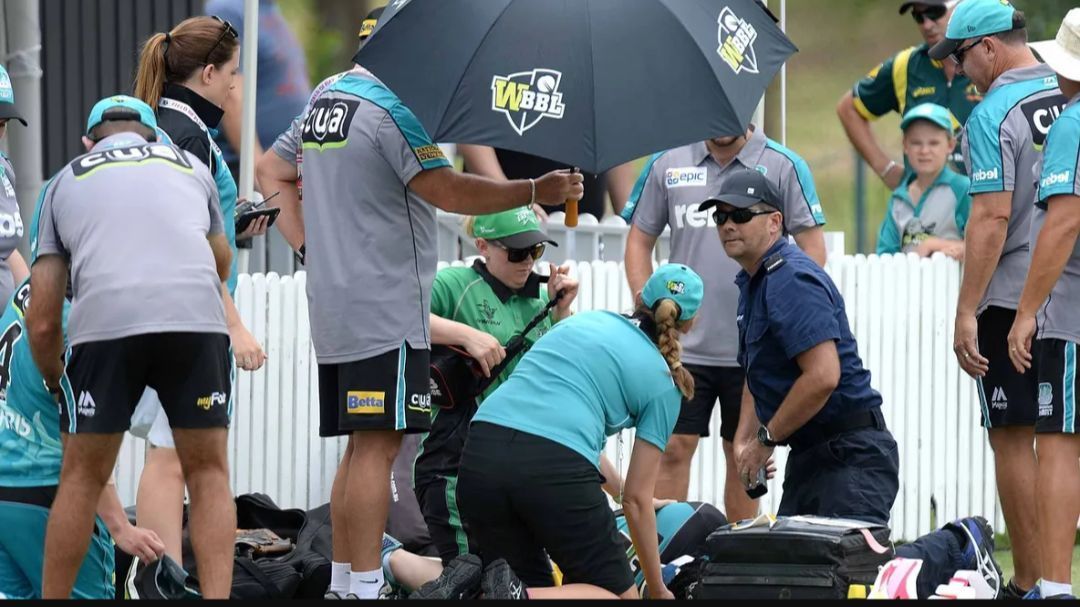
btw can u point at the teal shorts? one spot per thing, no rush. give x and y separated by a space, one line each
22 548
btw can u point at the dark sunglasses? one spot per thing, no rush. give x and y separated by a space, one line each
226 30
739 216
520 255
932 13
958 55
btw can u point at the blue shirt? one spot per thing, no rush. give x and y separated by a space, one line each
30 451
282 87
591 376
789 306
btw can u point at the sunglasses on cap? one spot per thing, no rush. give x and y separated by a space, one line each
227 29
520 255
739 216
932 13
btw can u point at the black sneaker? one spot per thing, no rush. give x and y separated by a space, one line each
1013 592
162 579
501 583
459 580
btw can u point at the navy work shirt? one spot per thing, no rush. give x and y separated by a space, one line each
789 306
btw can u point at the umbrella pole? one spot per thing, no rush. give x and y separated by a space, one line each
570 218
248 134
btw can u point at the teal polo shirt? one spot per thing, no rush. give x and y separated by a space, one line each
941 211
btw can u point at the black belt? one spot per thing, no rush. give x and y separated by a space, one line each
34 496
810 435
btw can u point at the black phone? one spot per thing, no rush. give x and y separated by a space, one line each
762 486
245 219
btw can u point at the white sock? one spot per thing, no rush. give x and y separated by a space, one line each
339 577
1048 588
366 584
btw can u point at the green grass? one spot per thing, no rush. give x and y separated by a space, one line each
1005 559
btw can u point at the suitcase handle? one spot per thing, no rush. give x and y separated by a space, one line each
872 542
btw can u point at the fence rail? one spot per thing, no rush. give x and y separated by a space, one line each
900 309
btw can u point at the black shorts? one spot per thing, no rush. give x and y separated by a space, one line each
1055 364
384 392
1006 397
711 384
525 498
439 505
191 373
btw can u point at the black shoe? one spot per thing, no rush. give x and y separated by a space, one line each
1013 592
499 582
162 579
459 580
978 548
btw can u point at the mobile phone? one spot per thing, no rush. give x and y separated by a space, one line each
245 219
762 486
246 206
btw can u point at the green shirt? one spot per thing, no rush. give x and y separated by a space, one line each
472 296
909 78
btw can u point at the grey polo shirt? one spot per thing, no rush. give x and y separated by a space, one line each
11 226
132 219
370 241
671 188
1002 144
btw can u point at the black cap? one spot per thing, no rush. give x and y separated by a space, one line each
743 190
905 7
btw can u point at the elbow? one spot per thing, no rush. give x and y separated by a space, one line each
41 330
635 502
845 107
827 378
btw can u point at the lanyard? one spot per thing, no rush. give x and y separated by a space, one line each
185 109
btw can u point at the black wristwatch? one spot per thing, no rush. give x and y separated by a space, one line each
764 437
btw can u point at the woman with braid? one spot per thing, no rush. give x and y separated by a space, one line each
529 484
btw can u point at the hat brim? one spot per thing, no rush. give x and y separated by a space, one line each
904 124
8 112
943 49
526 240
1058 59
739 201
905 7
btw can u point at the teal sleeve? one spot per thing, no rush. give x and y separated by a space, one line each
963 210
984 158
888 240
1061 159
639 188
657 416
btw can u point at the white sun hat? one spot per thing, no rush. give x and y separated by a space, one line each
1062 54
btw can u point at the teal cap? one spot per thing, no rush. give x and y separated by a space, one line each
678 283
121 107
930 112
973 19
7 99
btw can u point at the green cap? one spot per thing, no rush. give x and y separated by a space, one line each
678 283
121 107
973 19
930 112
7 99
516 229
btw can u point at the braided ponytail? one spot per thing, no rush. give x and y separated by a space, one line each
666 315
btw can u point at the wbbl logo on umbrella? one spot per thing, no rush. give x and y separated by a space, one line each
736 38
528 97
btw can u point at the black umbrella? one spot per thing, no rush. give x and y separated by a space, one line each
591 83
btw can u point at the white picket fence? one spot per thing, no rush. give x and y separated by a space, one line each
900 308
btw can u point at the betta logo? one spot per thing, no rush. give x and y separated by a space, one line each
528 97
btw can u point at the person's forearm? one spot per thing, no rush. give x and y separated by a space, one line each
812 242
861 135
474 195
232 315
446 332
983 243
806 398
641 519
1053 247
290 221
111 510
19 269
47 346
639 265
620 183
748 419
613 481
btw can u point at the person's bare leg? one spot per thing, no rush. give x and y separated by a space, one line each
87 465
339 520
367 495
576 591
213 513
673 479
737 504
1016 470
412 571
1058 499
159 505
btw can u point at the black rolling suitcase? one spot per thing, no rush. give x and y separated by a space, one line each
796 557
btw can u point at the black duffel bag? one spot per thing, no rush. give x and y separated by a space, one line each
797 557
